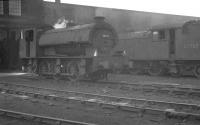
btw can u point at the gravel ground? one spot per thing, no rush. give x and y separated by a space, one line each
99 89
94 114
12 121
79 112
141 79
145 79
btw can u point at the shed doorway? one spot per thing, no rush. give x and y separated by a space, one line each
9 49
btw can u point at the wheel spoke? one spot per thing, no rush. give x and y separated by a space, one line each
155 69
74 71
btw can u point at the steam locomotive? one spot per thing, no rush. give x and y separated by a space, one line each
172 49
82 50
93 50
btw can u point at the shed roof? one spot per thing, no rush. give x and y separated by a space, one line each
175 25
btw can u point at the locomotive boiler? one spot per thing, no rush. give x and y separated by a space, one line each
173 49
82 50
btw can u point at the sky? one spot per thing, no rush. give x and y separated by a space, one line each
175 7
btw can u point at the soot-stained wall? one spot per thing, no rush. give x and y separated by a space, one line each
126 20
122 20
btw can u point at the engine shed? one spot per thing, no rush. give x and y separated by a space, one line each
16 16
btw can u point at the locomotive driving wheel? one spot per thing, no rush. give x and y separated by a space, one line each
155 69
43 68
177 73
73 70
34 68
196 71
135 71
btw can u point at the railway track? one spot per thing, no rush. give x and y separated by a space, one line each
173 90
181 110
39 118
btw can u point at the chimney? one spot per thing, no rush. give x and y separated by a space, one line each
99 19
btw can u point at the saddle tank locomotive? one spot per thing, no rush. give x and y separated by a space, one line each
82 50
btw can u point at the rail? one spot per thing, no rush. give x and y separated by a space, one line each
42 119
117 102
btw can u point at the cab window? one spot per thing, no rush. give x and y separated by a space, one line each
159 35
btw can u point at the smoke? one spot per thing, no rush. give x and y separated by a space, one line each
61 23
